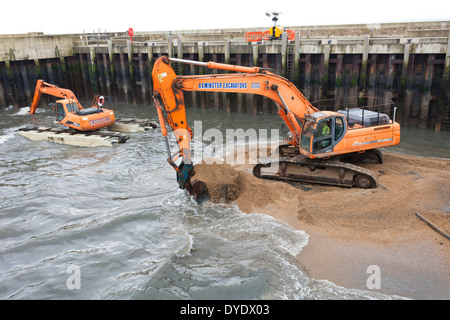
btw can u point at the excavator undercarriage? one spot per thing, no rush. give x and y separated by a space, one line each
341 170
300 169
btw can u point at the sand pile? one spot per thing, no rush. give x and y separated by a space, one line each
228 185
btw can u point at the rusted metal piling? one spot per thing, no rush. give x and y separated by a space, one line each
406 63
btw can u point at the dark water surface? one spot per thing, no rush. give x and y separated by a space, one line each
114 219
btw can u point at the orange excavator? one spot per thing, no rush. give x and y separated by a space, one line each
69 111
323 147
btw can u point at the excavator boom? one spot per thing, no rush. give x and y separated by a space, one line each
50 89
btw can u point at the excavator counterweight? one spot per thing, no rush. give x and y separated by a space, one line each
324 146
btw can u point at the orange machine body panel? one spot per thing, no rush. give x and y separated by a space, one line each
82 119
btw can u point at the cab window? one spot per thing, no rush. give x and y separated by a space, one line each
307 132
324 128
71 107
322 138
60 114
339 128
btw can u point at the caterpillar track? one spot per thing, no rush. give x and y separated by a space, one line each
299 169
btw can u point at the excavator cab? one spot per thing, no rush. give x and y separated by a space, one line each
321 132
65 106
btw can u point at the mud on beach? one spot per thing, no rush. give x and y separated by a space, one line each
351 229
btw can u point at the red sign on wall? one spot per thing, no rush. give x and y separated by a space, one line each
131 33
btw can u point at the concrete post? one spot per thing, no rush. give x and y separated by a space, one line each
130 58
426 94
255 56
408 91
297 53
326 65
338 86
142 79
106 74
170 46
201 57
365 57
283 53
227 51
93 68
297 58
124 77
372 80
180 54
11 55
112 66
150 66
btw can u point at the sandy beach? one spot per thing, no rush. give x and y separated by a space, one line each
352 229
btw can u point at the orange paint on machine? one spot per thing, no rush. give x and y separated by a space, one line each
69 111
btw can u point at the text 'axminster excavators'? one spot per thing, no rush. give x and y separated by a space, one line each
323 147
69 111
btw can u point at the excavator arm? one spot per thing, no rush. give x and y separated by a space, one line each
169 100
51 89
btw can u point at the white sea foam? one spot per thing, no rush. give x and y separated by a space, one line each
22 111
7 134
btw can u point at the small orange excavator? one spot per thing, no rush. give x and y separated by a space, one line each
69 111
323 146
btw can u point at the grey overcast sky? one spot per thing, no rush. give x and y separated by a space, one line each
56 17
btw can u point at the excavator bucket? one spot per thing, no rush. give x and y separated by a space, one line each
198 190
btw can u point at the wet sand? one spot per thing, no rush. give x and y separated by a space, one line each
351 229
